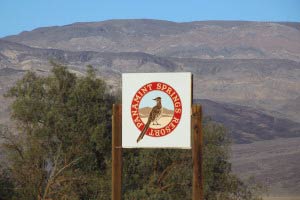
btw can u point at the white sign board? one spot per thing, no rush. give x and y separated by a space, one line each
156 110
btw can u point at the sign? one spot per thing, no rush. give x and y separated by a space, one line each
156 110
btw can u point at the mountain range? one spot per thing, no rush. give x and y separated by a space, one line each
245 74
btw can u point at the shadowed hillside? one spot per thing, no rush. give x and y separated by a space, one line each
247 125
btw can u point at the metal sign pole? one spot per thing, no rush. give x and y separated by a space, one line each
117 152
197 152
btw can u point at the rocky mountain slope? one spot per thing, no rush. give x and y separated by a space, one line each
246 124
270 84
208 39
274 163
262 150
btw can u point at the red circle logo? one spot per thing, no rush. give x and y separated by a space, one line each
156 109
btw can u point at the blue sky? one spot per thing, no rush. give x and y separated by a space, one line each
20 15
148 101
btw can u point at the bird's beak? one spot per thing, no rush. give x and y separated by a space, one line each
154 99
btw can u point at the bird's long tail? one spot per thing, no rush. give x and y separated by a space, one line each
143 131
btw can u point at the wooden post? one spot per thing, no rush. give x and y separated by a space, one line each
197 152
117 152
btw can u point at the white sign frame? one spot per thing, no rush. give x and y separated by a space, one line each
181 82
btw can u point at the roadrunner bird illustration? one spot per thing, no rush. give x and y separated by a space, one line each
154 115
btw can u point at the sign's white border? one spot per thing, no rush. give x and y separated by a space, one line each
181 136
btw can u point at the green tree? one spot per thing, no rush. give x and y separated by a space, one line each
6 184
64 123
